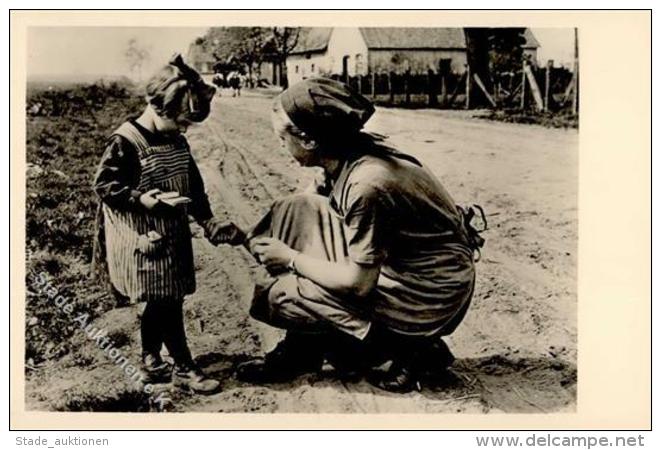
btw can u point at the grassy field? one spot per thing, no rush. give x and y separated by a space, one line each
66 132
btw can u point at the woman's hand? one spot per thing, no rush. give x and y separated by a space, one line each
273 253
344 278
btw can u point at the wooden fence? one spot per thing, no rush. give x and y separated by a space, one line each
540 88
411 89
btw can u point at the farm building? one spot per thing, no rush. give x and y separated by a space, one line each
359 51
201 59
531 46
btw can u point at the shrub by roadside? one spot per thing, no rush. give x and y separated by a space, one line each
560 119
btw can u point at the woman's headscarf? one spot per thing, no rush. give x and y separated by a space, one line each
321 107
332 112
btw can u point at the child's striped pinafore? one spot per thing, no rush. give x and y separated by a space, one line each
141 266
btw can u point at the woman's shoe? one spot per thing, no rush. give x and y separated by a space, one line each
400 378
408 370
192 379
155 370
294 356
350 357
435 360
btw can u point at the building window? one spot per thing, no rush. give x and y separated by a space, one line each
445 66
359 64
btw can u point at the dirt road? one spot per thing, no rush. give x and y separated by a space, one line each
516 349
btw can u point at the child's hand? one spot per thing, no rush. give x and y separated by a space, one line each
149 200
223 233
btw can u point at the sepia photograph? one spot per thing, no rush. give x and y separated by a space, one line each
301 219
255 215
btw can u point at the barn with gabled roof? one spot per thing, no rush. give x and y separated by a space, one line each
359 51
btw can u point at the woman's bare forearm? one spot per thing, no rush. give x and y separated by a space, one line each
344 278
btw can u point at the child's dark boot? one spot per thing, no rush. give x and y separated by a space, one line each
155 370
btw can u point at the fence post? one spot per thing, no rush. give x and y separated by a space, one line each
523 85
574 99
373 84
480 84
431 91
468 86
407 90
390 88
547 84
444 90
535 92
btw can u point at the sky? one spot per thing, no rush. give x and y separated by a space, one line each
99 51
556 44
85 52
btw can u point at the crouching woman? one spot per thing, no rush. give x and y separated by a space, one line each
377 262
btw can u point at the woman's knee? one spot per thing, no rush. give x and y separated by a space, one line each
294 219
267 301
304 202
277 305
282 294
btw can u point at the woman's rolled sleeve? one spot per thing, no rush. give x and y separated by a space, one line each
366 226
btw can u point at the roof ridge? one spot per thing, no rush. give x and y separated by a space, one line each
317 39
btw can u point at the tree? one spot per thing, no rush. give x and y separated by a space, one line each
250 50
250 46
243 46
506 49
136 56
284 40
492 51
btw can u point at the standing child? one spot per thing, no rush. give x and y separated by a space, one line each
148 184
